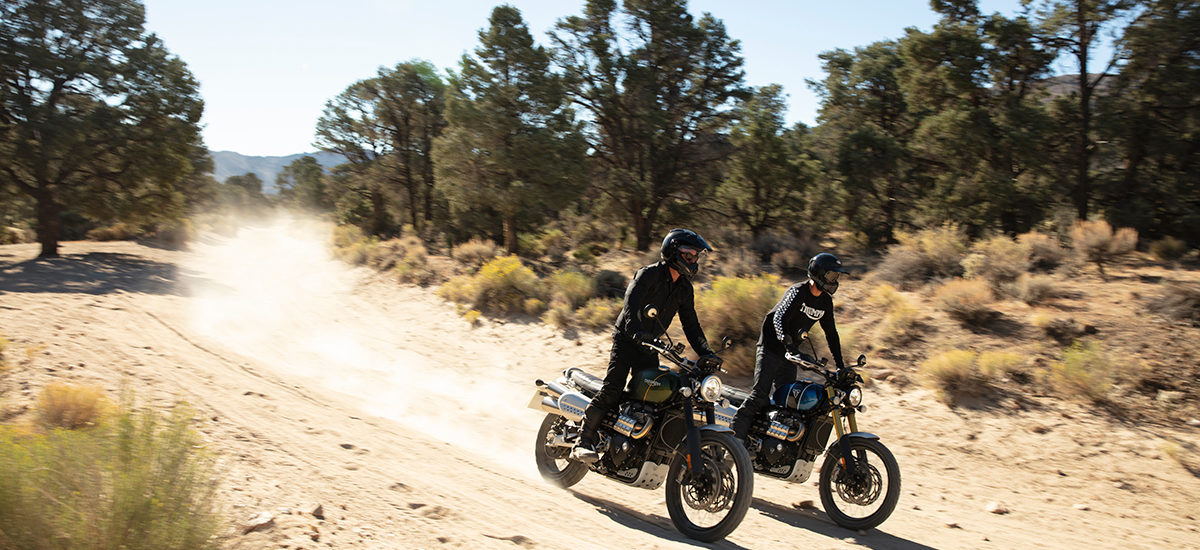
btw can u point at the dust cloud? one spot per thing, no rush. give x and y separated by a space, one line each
274 294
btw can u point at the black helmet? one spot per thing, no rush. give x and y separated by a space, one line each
824 269
681 249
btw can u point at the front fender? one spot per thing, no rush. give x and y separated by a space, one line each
851 437
715 428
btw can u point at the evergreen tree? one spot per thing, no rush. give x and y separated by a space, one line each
973 82
96 116
511 144
657 85
763 183
302 184
1151 121
385 127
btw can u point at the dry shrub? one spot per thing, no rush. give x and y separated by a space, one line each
554 243
15 235
1085 371
954 374
141 481
560 315
1095 241
1045 253
598 313
1059 328
610 284
347 235
790 261
474 252
927 254
472 317
1168 249
571 288
736 263
998 260
900 317
1178 301
500 286
1033 289
966 300
533 306
119 231
999 364
734 308
72 407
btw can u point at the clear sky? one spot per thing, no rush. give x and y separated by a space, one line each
267 67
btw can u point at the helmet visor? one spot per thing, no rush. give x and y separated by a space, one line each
689 254
831 276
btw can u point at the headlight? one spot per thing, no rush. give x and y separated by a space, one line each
710 389
855 397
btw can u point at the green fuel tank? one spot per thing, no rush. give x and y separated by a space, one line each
654 385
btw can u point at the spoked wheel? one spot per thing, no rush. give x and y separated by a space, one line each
865 498
709 505
553 461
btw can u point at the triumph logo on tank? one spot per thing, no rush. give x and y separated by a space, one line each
812 312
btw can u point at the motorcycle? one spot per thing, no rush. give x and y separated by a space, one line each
859 480
663 431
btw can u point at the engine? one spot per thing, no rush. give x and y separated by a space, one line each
626 448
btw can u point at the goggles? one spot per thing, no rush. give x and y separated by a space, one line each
689 254
831 276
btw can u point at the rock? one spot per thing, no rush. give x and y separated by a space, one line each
953 526
997 508
1195 422
262 521
1122 485
347 446
318 512
1082 507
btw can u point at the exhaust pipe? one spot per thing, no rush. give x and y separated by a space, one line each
552 389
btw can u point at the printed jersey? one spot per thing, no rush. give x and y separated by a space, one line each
652 286
796 312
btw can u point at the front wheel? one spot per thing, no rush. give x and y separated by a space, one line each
866 498
553 461
710 504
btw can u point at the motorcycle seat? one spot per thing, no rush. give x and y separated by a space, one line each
589 383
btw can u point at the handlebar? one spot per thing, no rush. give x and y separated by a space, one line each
674 354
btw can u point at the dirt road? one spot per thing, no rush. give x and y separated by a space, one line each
318 384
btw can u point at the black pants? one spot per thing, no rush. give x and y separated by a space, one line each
771 371
626 356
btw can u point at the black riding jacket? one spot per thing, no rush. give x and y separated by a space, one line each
796 312
652 286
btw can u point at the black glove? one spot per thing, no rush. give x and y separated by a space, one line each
710 361
640 337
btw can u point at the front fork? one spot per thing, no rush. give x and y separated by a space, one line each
693 438
847 460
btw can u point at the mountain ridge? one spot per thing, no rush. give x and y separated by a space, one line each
231 163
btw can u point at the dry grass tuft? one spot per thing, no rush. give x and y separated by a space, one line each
1096 242
1085 371
954 374
968 301
474 252
72 407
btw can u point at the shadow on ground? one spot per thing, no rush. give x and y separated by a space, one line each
817 522
92 273
659 526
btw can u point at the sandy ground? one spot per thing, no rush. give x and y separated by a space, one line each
318 384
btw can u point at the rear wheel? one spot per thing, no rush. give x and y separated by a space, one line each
553 460
709 504
867 497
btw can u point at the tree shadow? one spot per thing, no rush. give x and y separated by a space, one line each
818 522
92 273
999 325
654 524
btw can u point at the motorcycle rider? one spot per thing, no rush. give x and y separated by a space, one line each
802 305
666 286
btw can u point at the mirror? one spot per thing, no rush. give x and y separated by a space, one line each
651 312
804 336
862 360
727 342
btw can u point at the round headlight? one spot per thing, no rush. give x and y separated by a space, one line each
710 389
855 397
